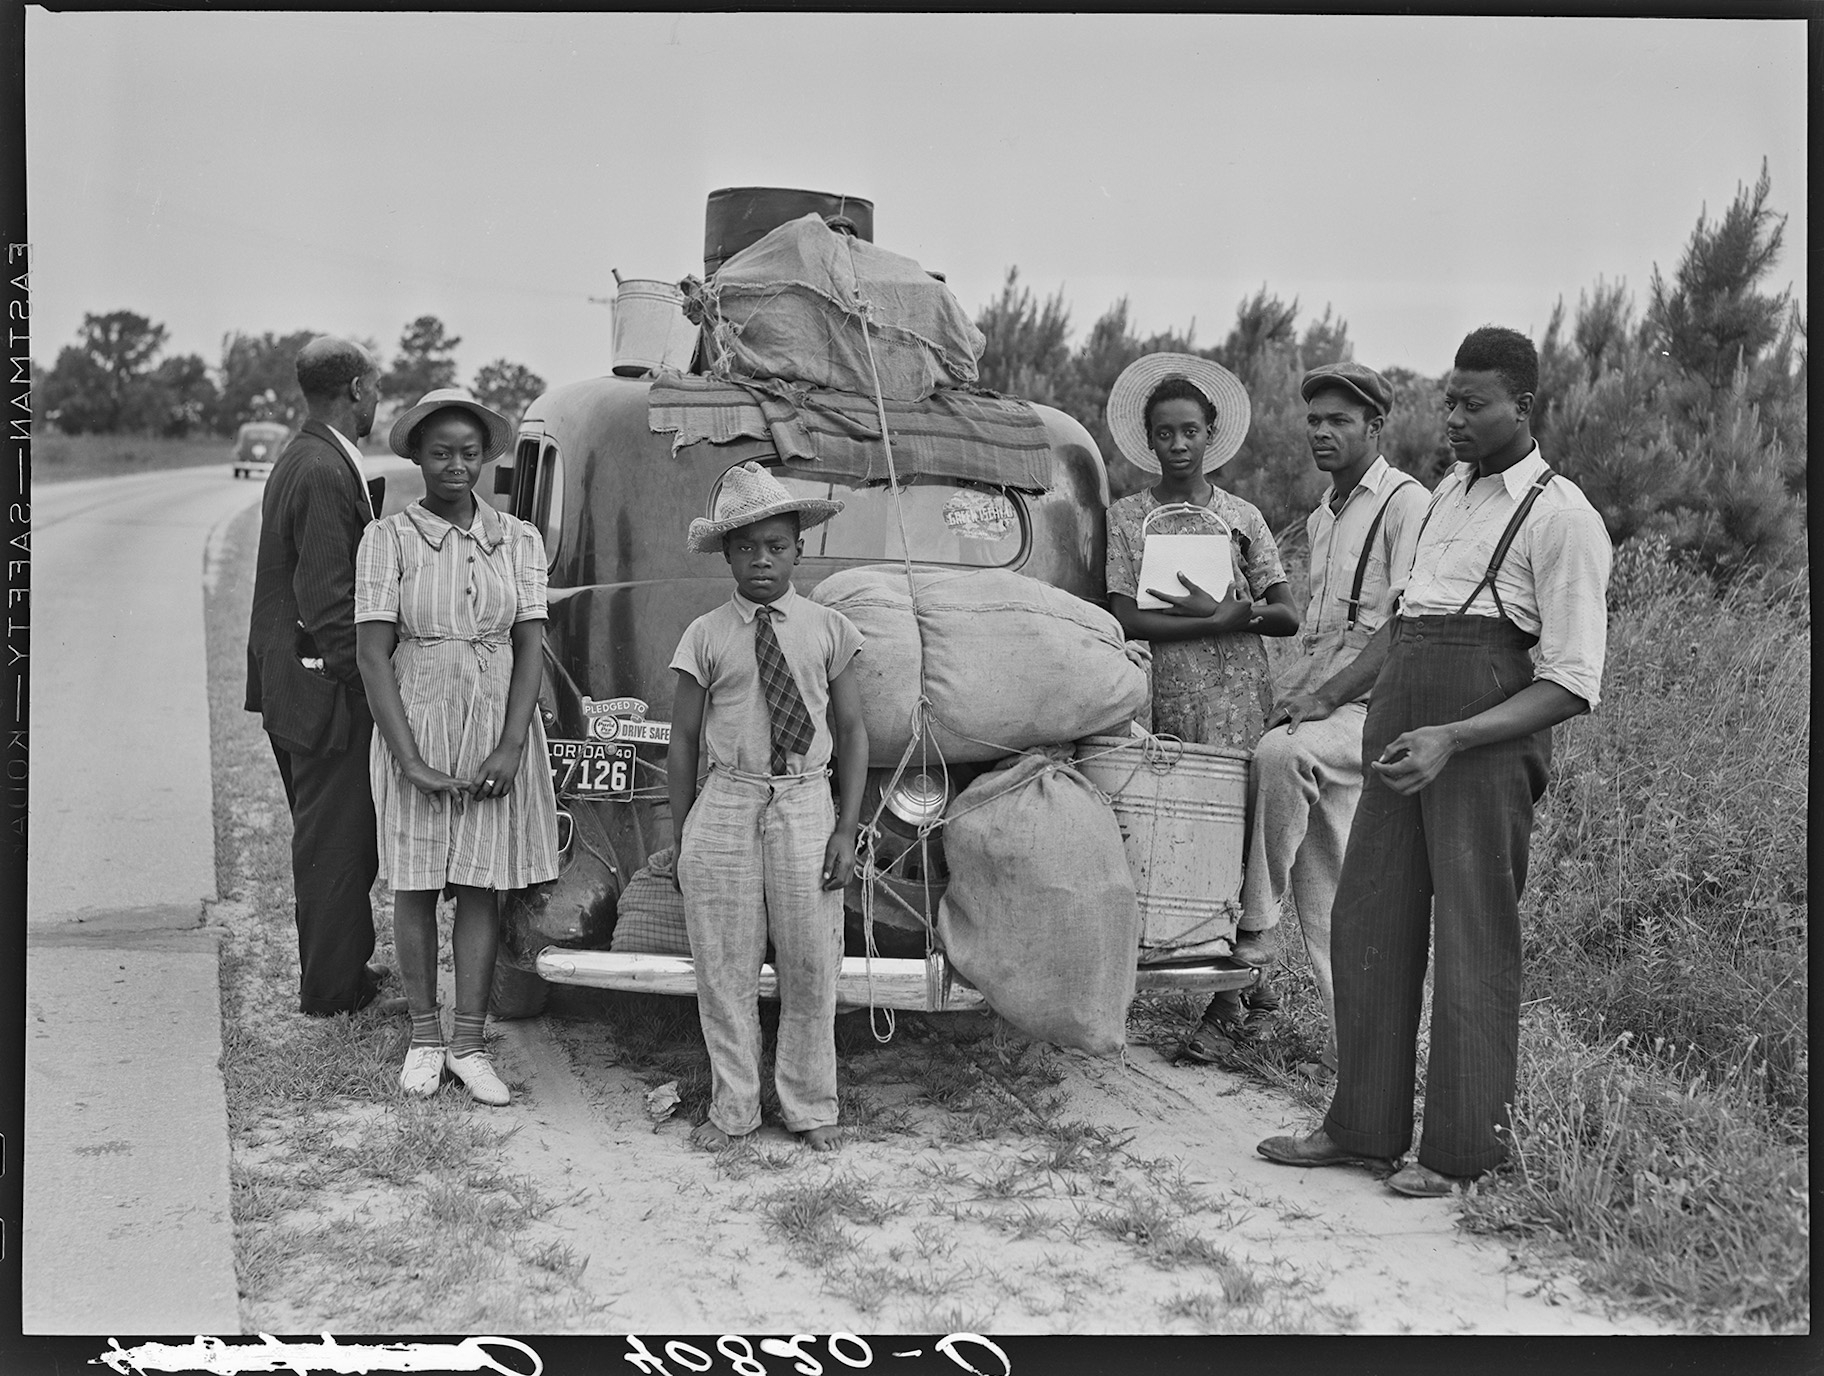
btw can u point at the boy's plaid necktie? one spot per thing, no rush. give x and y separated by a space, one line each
792 731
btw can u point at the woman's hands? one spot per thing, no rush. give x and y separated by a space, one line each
1231 613
495 778
434 783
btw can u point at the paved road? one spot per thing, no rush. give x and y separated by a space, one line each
127 1227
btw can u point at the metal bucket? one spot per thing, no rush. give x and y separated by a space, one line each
1183 811
651 330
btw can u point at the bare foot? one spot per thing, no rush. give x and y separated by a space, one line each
823 1139
711 1138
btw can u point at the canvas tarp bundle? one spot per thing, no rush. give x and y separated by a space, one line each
792 305
1006 662
1040 914
956 435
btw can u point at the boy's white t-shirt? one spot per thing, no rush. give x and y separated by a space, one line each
718 652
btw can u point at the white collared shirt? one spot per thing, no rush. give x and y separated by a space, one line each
1335 540
354 458
1553 584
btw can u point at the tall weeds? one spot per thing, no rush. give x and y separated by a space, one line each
1659 1133
1668 890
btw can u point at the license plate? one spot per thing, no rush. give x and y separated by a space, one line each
592 769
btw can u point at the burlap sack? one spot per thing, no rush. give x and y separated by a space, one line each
1040 914
1008 662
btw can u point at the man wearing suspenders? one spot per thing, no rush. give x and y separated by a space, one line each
1307 770
1500 636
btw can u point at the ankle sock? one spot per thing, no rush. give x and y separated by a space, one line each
465 1032
427 1027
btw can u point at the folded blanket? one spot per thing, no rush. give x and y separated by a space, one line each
950 434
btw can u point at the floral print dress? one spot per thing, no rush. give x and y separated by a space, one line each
1214 690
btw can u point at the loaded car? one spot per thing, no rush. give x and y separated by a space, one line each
257 446
612 497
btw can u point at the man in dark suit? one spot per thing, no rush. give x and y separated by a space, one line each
301 674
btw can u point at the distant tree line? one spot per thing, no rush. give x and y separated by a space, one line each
1684 423
113 380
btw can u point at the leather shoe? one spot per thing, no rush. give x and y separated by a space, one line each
476 1072
1422 1182
1258 949
423 1070
1263 999
1213 1042
1315 1150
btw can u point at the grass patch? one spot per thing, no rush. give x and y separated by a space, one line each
1660 1134
807 1216
58 457
1672 1192
1669 889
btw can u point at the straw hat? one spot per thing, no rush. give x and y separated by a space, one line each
1127 406
497 427
748 494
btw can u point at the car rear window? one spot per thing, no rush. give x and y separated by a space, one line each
945 523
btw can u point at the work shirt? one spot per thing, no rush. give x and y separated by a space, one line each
1325 642
718 652
1553 583
353 455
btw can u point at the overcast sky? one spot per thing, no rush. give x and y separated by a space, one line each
348 172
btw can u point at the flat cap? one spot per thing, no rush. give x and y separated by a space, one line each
1367 384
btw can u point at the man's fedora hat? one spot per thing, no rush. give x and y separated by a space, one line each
1364 382
496 426
748 494
1127 406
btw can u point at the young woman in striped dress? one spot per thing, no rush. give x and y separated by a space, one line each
450 615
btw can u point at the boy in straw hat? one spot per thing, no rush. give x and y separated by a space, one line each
761 851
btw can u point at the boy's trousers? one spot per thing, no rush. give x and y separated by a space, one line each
752 865
1446 863
1302 791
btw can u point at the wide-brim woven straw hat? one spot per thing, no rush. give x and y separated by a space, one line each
1127 407
498 428
748 494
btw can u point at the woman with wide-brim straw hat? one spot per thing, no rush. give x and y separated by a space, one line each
1183 417
449 628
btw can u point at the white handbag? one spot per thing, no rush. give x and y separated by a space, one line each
1206 557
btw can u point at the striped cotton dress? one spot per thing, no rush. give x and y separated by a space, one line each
455 596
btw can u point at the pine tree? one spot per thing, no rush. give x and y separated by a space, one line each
1710 319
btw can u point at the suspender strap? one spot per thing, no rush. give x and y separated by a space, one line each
1507 539
1361 567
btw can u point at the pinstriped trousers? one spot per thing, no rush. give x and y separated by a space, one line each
751 864
334 858
1445 865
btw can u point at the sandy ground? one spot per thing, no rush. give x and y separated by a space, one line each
1118 1196
969 1236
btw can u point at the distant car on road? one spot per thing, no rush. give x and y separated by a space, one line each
257 447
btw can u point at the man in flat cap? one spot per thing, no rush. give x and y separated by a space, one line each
1500 635
1307 770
